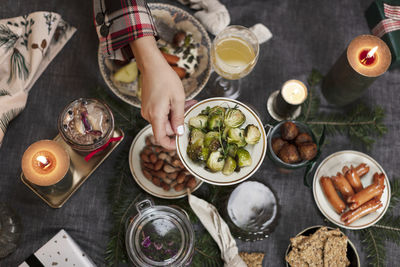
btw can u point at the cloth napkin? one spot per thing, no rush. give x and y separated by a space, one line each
215 17
27 45
218 229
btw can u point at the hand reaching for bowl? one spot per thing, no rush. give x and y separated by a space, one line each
163 96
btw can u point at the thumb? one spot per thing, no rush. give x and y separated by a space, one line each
177 116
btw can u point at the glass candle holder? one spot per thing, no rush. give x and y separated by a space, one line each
86 124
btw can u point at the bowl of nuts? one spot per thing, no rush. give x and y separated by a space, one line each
292 145
158 171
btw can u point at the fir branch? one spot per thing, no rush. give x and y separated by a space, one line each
207 253
395 193
373 244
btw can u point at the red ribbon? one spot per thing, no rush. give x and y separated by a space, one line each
391 23
94 152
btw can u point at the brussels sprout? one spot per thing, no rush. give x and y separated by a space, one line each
236 136
217 110
211 140
215 161
231 150
234 118
197 153
243 157
197 137
214 122
252 134
199 121
229 166
225 133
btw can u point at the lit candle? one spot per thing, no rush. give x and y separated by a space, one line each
292 94
366 58
45 163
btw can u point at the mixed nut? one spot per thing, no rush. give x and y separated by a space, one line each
164 168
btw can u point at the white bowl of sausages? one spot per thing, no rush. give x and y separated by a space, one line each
351 189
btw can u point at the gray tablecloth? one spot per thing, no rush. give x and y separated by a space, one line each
307 34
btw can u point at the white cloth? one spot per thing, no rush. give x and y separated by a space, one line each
212 14
215 17
218 229
262 33
27 45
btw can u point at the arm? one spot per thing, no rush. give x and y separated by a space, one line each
163 96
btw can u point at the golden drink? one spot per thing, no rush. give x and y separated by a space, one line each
233 57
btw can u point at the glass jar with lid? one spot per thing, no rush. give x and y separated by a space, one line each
159 236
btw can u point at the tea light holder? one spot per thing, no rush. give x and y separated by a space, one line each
45 163
366 58
285 104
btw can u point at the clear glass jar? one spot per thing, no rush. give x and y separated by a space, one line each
159 236
86 124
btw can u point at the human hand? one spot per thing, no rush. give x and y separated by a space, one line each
163 96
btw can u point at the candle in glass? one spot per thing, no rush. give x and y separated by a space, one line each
292 94
45 163
366 58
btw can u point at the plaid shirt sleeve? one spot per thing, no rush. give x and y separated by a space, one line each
119 22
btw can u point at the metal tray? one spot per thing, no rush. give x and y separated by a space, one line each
79 171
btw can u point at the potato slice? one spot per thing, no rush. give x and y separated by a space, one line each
127 73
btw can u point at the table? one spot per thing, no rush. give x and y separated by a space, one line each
306 33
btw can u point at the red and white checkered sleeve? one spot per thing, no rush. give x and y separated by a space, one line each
119 22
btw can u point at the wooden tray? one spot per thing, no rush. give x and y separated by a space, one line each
79 171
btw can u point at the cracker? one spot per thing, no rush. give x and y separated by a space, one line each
252 259
294 259
335 251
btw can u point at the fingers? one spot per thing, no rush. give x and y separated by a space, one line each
177 114
159 125
189 104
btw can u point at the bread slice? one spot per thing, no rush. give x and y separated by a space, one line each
335 251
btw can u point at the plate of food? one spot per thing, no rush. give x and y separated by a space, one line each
351 189
321 246
184 43
224 141
157 171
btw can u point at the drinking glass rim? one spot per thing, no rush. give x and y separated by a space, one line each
243 28
101 141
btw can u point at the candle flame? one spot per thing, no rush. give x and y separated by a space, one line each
372 52
43 160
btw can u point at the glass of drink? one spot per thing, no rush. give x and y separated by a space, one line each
234 54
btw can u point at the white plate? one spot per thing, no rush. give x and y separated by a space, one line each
333 164
256 151
134 163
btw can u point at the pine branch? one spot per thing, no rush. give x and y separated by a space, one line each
395 195
207 253
374 247
7 37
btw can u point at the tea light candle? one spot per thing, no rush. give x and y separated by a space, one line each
45 163
366 58
292 94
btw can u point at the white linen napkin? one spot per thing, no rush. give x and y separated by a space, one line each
27 45
215 17
218 229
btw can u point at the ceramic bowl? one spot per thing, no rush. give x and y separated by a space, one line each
256 151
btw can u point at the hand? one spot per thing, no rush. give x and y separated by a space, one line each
163 96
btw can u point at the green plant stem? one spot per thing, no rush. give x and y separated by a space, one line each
390 228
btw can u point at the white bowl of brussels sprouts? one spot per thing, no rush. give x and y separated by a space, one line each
224 141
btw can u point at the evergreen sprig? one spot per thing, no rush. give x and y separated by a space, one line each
361 123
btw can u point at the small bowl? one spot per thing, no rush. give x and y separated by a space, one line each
256 151
275 132
352 254
333 164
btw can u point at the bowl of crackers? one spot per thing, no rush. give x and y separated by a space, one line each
321 246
